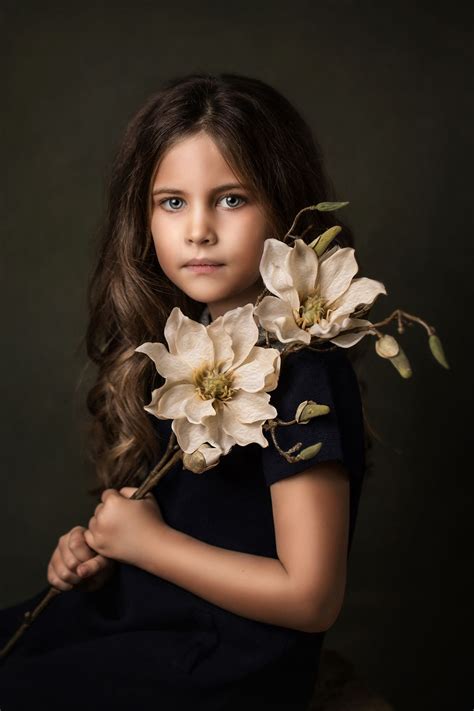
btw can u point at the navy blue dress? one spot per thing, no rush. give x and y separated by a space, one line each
143 642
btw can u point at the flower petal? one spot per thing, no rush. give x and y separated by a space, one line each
251 376
276 316
169 366
241 432
222 342
336 273
190 436
303 266
240 325
325 255
196 409
346 340
188 339
361 291
172 401
275 271
250 407
217 435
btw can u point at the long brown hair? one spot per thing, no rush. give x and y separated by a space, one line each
271 148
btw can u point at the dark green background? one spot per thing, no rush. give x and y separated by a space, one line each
387 89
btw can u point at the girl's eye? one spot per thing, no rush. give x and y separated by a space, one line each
232 196
173 199
175 208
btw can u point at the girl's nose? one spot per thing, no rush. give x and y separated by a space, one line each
201 226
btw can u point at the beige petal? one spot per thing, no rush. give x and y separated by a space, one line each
361 291
172 401
251 375
191 436
336 273
275 271
345 340
222 343
303 267
325 255
218 437
242 433
276 316
171 329
197 409
250 407
240 325
188 339
324 329
156 395
272 378
210 454
169 366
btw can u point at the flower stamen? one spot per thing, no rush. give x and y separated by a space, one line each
311 311
212 384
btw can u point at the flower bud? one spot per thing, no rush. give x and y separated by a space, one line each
195 462
309 452
387 346
202 459
321 243
437 350
308 409
402 364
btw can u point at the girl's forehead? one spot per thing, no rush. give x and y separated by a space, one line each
196 159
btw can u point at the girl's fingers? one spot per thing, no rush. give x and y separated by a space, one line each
93 566
61 577
78 546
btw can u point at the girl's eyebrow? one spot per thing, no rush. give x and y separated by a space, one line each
226 186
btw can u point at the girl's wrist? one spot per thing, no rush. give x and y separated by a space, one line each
154 549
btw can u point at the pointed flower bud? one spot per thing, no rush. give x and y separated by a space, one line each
437 350
308 409
387 346
309 452
328 206
402 364
321 243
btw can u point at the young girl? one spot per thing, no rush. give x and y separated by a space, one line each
217 588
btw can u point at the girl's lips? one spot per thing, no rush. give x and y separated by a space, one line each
203 268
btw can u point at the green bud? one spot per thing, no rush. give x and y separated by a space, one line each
437 350
329 206
308 409
321 243
402 364
309 452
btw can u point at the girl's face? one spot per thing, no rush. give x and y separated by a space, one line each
200 210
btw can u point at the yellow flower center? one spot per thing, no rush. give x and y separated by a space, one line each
212 384
311 311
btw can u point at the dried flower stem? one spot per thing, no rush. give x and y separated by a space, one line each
400 315
271 425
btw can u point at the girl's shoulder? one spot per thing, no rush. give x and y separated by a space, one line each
326 377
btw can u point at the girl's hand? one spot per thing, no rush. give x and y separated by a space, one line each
71 552
121 527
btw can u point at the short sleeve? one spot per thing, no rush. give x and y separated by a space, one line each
305 374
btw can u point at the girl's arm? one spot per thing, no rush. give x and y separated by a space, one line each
304 588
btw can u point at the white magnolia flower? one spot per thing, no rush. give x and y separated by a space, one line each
217 380
316 295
